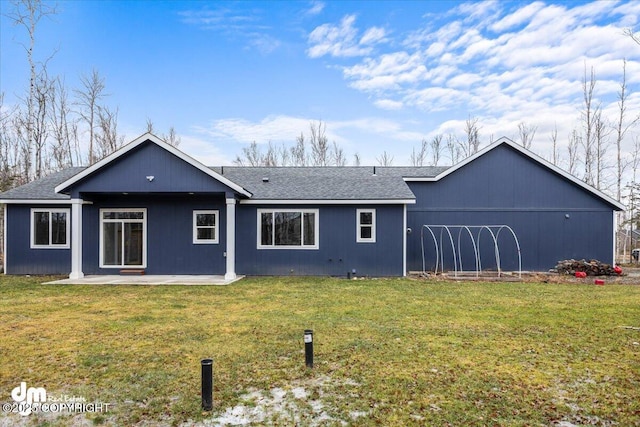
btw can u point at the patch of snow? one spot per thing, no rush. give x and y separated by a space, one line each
299 393
288 405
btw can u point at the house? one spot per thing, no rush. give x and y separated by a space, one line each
151 207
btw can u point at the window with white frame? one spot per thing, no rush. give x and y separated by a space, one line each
123 238
50 228
366 225
288 229
205 227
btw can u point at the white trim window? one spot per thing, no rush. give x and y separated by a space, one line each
288 228
123 238
366 225
205 227
50 228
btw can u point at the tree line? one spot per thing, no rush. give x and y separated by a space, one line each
52 127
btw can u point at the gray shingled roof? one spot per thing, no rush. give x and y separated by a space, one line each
43 188
284 183
411 171
318 183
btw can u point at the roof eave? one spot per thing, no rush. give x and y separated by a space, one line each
35 201
328 201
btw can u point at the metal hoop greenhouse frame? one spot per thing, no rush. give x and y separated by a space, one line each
493 230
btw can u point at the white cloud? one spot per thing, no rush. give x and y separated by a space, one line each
235 23
204 151
387 72
264 43
464 80
373 35
316 8
518 17
388 104
272 128
342 40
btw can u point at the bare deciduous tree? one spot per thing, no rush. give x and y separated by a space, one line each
251 156
8 148
107 138
572 149
337 155
87 99
172 138
40 123
555 157
634 36
622 126
385 159
453 148
319 144
472 131
150 126
27 14
298 152
589 114
356 160
436 149
270 158
64 129
601 143
526 134
418 158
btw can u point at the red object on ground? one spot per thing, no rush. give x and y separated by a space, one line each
618 270
599 282
581 274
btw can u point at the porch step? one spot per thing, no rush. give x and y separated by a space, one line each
132 271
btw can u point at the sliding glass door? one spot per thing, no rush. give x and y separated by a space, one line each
123 238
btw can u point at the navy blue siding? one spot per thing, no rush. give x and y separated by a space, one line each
21 259
338 251
505 187
129 174
170 248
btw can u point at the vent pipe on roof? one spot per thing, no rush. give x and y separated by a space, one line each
221 170
374 171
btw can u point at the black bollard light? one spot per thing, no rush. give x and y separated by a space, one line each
308 348
207 384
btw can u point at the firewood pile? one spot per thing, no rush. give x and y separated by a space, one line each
592 268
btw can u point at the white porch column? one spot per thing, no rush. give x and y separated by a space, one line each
231 239
76 239
404 240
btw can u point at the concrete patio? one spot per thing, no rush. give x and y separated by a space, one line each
148 280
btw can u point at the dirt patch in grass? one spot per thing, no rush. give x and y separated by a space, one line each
630 276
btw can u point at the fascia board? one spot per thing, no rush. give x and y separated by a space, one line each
326 202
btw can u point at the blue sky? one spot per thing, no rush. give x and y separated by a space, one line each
381 75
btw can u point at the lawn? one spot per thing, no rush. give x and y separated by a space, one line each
387 352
